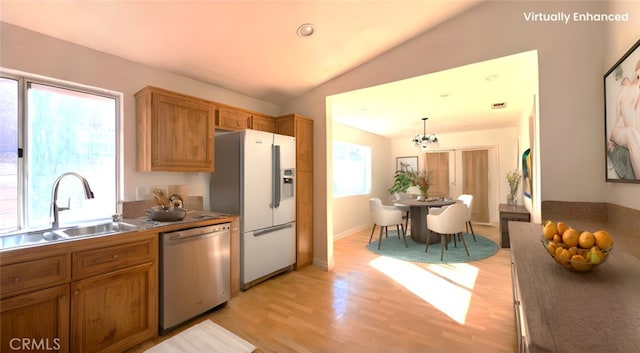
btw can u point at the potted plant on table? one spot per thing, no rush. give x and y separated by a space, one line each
422 180
403 179
513 178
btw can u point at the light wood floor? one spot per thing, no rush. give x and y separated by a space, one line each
357 308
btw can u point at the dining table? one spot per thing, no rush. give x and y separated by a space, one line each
418 210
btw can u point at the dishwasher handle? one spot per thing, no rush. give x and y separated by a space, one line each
195 232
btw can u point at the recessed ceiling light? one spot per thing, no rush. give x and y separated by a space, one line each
445 95
492 77
306 30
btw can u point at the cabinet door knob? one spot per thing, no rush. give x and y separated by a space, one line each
76 292
63 296
17 279
115 256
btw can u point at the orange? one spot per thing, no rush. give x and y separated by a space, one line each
551 247
561 227
557 238
579 263
573 250
558 251
586 240
563 256
570 237
549 230
603 239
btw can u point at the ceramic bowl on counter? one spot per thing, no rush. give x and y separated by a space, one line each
576 259
163 214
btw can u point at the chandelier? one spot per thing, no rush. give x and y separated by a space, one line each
422 141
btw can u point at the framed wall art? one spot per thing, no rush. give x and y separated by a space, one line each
407 163
622 118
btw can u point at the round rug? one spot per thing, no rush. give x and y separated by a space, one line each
394 247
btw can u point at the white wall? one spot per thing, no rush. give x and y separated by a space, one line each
351 213
527 128
502 145
619 39
35 53
571 63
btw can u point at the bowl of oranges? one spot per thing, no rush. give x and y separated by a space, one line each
577 251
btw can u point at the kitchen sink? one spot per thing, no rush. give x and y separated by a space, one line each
55 235
99 229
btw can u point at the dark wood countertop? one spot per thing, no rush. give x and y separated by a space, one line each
596 311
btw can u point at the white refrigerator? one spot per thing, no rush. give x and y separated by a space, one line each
255 177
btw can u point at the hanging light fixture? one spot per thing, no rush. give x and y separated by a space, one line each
422 141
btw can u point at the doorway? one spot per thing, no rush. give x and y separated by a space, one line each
475 181
438 164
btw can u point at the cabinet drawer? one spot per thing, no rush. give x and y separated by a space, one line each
93 262
32 275
515 217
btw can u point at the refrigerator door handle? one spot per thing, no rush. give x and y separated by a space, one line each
260 232
275 166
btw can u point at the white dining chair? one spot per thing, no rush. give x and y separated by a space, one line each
451 222
468 201
406 210
385 216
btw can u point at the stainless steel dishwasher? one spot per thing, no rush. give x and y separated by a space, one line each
194 272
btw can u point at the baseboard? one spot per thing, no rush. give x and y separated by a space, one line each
323 265
351 231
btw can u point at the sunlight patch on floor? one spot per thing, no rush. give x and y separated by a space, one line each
447 287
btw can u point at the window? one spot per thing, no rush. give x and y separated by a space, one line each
62 128
351 169
8 154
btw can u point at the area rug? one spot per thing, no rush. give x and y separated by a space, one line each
394 247
205 337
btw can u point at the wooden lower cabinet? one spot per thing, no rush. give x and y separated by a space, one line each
95 295
36 322
111 311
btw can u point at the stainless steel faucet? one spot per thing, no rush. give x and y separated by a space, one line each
88 194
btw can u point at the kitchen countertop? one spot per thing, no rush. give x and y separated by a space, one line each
195 218
596 311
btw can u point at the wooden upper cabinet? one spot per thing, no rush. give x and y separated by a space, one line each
232 119
302 129
174 132
263 123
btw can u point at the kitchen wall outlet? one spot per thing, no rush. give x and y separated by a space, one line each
141 193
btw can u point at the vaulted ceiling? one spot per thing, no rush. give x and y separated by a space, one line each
251 47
